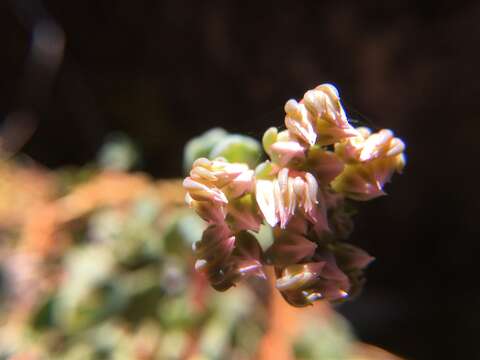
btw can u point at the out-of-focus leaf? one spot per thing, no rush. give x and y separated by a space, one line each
231 307
87 270
44 317
238 148
183 232
118 153
323 339
201 146
176 313
69 177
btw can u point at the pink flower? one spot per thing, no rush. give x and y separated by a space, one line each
319 118
317 162
220 192
367 146
279 198
372 159
211 180
203 192
324 102
330 120
207 210
213 183
300 122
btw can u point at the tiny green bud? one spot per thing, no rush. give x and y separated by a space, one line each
265 170
269 137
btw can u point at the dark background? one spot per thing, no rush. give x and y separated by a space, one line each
164 71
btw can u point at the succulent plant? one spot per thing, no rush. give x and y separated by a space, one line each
316 166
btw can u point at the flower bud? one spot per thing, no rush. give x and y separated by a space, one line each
279 198
299 276
215 180
299 122
269 138
244 261
208 211
323 102
216 244
203 192
330 120
367 146
365 181
305 283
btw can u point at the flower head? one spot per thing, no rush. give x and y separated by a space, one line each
330 120
367 146
371 161
291 191
318 162
218 192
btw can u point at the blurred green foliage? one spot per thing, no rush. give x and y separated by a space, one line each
219 143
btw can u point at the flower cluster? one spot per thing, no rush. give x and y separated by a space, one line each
316 164
221 193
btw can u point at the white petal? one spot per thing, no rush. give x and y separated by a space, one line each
264 193
312 187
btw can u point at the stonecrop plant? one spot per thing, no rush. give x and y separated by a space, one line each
302 193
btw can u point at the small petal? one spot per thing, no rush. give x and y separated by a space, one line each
240 185
285 151
360 182
298 121
298 276
397 146
217 241
298 186
269 138
283 179
279 205
323 102
200 172
375 144
291 199
200 265
312 187
264 193
207 210
329 133
202 192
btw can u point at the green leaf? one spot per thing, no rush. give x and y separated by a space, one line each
201 146
238 148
